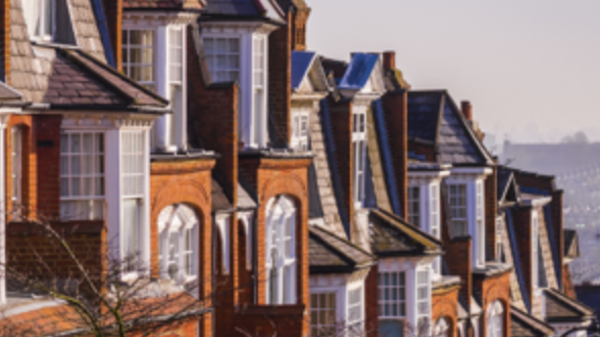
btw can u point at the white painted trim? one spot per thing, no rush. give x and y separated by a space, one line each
3 120
223 226
246 219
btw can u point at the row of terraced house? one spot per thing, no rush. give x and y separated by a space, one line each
196 157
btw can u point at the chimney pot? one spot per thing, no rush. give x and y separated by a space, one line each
389 60
467 110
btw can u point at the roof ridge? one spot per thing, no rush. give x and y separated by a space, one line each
533 318
575 304
418 230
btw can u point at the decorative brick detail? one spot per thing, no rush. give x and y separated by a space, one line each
444 304
396 112
187 182
280 79
491 289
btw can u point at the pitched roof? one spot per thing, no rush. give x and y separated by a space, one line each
503 181
9 94
301 62
392 236
243 9
328 253
219 200
434 118
163 4
525 325
306 66
358 71
561 308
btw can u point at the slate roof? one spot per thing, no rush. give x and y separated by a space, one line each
243 9
525 325
561 308
571 244
329 253
301 62
358 71
503 180
163 4
392 236
220 202
434 119
78 79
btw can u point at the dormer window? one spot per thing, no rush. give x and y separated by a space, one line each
300 131
138 57
241 56
48 21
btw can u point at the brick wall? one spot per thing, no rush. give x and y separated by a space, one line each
568 286
187 182
46 145
299 28
491 289
491 213
556 214
113 10
28 170
213 121
395 107
458 259
268 321
444 304
342 124
522 226
372 302
5 44
272 177
280 79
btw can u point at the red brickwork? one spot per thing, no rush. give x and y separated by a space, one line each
46 145
556 216
28 171
567 281
460 250
396 109
280 79
113 10
372 302
491 212
185 182
522 218
444 304
494 288
300 20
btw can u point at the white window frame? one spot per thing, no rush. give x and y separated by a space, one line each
224 232
387 306
17 170
499 231
96 212
414 206
479 224
359 148
281 212
32 15
299 134
455 193
423 303
179 220
177 120
495 320
128 66
319 328
434 225
355 325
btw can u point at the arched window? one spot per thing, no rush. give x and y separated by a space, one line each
442 328
281 251
495 320
178 244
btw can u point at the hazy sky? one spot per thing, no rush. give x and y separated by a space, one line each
530 68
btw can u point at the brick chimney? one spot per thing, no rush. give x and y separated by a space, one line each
5 42
389 60
466 109
113 11
299 20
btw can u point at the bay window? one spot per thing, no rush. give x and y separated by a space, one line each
495 320
223 58
175 84
322 314
177 245
138 57
434 224
359 144
356 312
414 205
457 194
281 251
81 175
133 161
423 302
259 79
392 294
41 18
499 250
16 171
480 226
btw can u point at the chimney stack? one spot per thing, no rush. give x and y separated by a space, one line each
389 60
466 109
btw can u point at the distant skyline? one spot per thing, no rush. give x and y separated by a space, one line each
530 68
